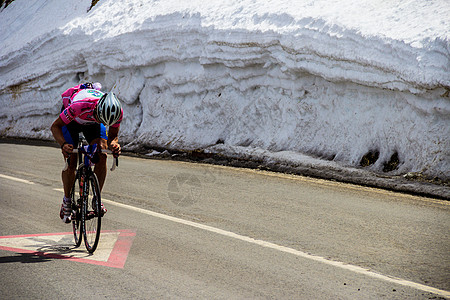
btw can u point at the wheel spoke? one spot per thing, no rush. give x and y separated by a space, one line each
91 219
76 212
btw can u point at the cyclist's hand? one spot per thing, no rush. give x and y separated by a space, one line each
115 148
66 150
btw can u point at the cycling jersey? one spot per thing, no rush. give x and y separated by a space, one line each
79 105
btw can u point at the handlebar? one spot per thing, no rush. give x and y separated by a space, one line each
113 167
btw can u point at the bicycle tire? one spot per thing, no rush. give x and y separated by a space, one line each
91 215
76 211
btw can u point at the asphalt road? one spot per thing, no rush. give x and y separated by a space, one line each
210 232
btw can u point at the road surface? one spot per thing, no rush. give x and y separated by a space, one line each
194 231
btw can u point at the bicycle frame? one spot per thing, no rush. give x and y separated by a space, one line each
87 208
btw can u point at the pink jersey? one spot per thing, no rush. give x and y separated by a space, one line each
79 105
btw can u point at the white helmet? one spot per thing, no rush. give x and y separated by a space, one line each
109 109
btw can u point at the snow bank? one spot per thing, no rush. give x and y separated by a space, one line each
329 79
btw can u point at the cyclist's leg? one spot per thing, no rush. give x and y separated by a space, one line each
96 134
70 132
68 176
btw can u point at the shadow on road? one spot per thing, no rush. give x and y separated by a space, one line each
26 258
45 254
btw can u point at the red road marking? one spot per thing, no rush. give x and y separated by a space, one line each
116 259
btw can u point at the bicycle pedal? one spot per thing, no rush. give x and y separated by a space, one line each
90 215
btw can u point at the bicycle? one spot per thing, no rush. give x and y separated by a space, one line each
85 197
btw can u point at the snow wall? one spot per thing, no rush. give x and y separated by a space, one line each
242 77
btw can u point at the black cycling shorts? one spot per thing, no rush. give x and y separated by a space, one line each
91 132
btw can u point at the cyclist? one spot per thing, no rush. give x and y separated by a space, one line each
86 109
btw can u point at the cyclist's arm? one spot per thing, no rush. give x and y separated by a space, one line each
113 139
57 132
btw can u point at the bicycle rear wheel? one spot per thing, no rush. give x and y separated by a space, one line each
91 215
76 211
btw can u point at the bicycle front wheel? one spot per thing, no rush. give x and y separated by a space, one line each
91 215
76 211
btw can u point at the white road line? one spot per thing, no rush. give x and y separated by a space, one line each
338 264
342 265
16 179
